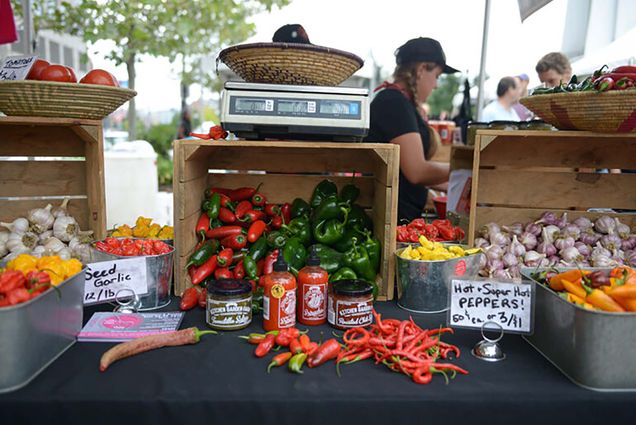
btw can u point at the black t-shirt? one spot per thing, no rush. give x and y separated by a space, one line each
393 115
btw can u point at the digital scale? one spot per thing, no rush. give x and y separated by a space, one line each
260 111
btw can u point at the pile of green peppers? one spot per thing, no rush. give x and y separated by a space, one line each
338 228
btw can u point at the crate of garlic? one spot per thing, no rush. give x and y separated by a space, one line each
435 251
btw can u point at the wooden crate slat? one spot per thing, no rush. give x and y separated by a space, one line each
95 183
193 193
39 141
12 209
551 150
557 190
42 178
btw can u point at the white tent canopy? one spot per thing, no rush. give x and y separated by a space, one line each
620 52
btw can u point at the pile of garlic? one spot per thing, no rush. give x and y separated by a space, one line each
45 231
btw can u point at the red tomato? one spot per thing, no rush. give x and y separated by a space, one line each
57 73
36 70
99 76
73 76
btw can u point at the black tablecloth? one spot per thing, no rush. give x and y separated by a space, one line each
220 381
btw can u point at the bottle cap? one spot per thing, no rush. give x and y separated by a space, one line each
280 265
313 259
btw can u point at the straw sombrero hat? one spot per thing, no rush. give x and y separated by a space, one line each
290 63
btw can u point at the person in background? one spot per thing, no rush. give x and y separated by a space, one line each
291 33
522 84
554 69
396 118
185 126
501 108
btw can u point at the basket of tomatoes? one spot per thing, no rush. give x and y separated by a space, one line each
52 90
436 231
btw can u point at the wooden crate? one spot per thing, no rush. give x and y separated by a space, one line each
43 160
287 170
517 175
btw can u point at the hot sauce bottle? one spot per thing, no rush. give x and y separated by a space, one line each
312 292
279 298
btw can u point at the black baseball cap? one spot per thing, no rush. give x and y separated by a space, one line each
423 49
291 33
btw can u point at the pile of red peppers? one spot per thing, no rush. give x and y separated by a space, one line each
436 231
232 243
17 288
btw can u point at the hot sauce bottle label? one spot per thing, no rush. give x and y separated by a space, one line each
314 297
353 313
287 309
278 291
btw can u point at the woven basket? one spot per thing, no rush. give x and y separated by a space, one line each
63 100
290 63
607 112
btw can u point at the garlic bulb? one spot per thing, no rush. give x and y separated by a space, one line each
41 219
19 225
65 253
4 237
65 228
45 235
61 211
54 245
82 252
22 242
38 251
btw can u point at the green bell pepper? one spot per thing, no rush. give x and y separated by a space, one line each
374 249
349 193
330 259
300 208
359 219
346 242
276 239
358 259
330 231
299 227
344 273
258 250
295 253
324 189
330 207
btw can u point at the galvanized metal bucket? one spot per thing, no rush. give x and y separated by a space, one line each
158 274
37 332
423 285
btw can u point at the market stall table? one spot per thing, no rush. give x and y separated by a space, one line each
220 380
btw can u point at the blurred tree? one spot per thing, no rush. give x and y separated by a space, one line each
442 97
182 30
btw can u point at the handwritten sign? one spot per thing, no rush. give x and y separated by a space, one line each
473 303
16 67
104 279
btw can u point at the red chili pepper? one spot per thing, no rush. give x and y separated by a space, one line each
223 232
204 270
283 338
225 257
624 83
305 343
265 346
402 234
285 212
277 222
18 295
216 132
258 199
268 266
252 215
243 193
236 242
327 351
459 234
255 231
189 299
272 210
38 281
625 69
604 84
239 270
293 332
279 360
203 298
220 190
226 202
295 347
226 215
418 223
203 224
223 273
446 233
242 208
414 235
11 280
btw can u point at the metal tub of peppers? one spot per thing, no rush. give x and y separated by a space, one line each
40 321
585 324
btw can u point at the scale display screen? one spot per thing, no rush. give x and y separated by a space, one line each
285 107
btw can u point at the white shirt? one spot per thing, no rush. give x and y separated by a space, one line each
496 112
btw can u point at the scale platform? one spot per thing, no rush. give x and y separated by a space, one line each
275 111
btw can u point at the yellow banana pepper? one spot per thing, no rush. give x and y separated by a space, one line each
141 231
143 222
153 231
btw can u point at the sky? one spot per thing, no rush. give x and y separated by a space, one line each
373 29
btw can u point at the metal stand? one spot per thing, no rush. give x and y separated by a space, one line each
488 349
